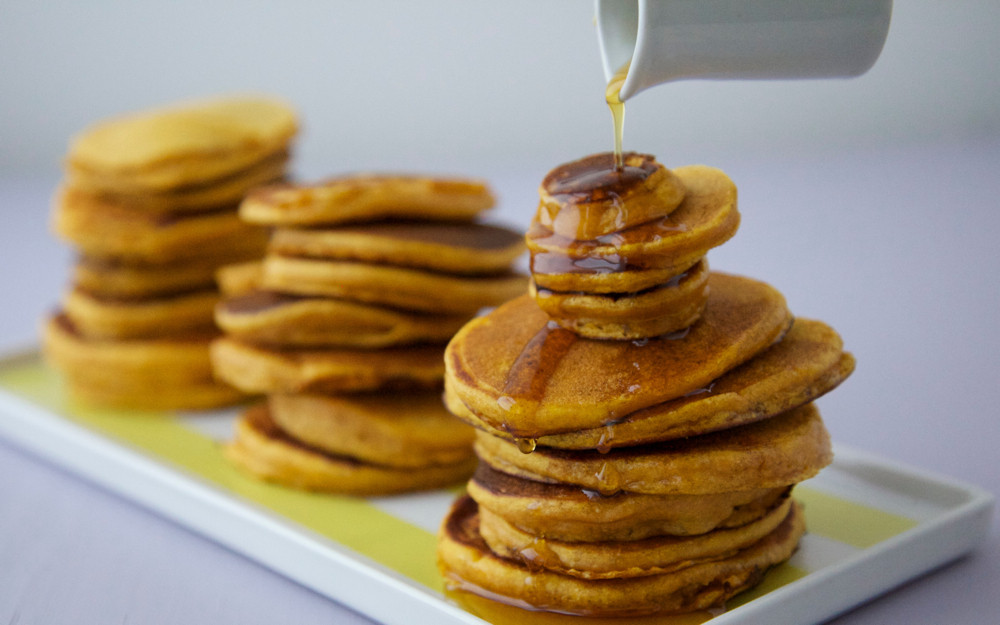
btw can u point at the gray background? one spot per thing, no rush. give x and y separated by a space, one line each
870 203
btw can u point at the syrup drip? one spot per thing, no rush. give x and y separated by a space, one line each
613 97
529 376
609 480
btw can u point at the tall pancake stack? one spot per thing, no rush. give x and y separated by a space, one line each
343 327
150 201
641 421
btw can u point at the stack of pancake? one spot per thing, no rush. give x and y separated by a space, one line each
151 201
343 327
648 470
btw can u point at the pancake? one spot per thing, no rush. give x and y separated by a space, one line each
660 310
808 362
367 197
114 278
396 430
160 373
263 450
386 285
459 248
227 191
589 198
270 318
180 145
467 563
107 230
520 373
779 451
101 317
569 513
643 255
623 559
239 278
260 370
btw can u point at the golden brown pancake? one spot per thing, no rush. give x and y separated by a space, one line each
261 370
107 230
622 559
101 317
460 248
643 255
270 318
184 144
115 278
569 513
262 449
239 278
589 198
659 310
386 285
391 429
808 362
467 563
367 197
227 191
521 373
779 451
159 373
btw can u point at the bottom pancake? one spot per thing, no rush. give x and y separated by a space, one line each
393 429
619 559
264 450
468 564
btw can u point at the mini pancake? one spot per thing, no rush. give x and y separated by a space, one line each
569 513
227 191
239 278
459 248
144 373
262 449
660 310
641 254
623 559
467 563
395 430
589 198
386 285
271 318
116 278
523 374
260 370
367 197
779 451
106 230
101 317
808 362
180 145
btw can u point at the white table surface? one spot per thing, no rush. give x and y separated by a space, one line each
896 247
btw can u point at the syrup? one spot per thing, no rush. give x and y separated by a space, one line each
613 96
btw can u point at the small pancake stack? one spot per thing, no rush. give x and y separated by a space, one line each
634 464
151 201
343 327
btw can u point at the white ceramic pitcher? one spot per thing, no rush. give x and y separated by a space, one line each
669 40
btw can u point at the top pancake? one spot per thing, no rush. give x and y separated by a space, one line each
588 198
634 258
519 372
181 145
367 197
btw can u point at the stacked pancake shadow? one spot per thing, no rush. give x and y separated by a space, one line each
649 470
150 202
343 326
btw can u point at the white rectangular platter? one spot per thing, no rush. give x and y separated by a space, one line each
872 524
